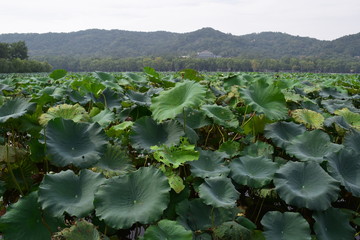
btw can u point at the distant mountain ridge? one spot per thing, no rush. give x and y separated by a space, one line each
124 44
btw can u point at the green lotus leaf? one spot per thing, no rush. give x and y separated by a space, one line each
309 118
232 231
104 118
175 156
135 78
333 224
341 125
166 229
147 133
142 99
221 115
218 192
209 164
81 230
103 76
115 161
67 192
139 196
53 91
265 98
306 184
333 92
230 149
57 74
312 146
169 103
352 118
74 112
251 171
110 98
14 108
344 166
203 236
332 105
80 144
352 140
11 153
259 148
25 220
288 225
196 215
255 125
281 133
119 129
194 118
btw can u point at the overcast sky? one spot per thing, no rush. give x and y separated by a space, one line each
321 19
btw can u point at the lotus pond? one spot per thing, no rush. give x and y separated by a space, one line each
179 156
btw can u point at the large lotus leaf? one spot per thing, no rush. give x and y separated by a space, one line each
333 224
308 117
169 103
196 215
232 231
344 166
265 98
312 146
352 118
333 92
218 192
281 133
251 171
139 196
288 225
306 184
104 118
142 99
339 122
194 118
332 105
352 140
209 164
80 144
67 192
221 115
147 133
166 229
115 161
259 148
81 230
75 112
110 98
230 148
25 220
119 129
14 108
57 74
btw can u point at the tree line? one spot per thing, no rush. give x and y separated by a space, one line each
14 59
289 64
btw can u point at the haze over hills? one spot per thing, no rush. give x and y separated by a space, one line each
124 44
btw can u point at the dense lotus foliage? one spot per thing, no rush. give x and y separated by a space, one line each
179 156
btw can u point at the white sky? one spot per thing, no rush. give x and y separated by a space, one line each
321 19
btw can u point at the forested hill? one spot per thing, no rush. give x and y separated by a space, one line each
124 44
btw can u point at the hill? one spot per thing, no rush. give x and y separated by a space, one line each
124 44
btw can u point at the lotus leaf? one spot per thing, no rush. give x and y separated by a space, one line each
232 231
333 224
352 140
288 225
344 166
104 118
194 118
14 108
259 148
210 164
139 196
312 146
169 103
166 229
218 192
308 117
230 149
306 184
114 161
147 133
142 99
111 99
58 73
265 98
66 192
281 133
251 171
332 105
221 115
74 112
352 118
81 230
80 144
25 220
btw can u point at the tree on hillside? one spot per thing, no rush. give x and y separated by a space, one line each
14 50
